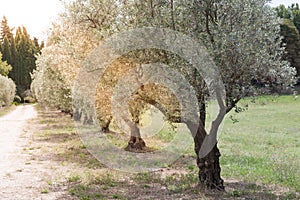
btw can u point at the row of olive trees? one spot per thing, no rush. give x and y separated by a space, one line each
7 86
58 63
241 36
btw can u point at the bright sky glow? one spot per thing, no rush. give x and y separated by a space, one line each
275 3
37 15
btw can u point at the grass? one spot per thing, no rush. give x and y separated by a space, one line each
74 178
45 191
82 193
264 146
260 150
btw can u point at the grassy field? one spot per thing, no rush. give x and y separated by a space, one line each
260 159
264 145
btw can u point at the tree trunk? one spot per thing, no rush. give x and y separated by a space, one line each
105 126
209 166
136 143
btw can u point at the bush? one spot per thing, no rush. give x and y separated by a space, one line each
29 99
17 99
7 91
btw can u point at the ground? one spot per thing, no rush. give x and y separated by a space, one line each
42 157
21 178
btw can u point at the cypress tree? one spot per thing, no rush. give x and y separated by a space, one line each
6 30
14 60
25 62
19 51
6 55
292 41
295 10
290 29
42 46
18 61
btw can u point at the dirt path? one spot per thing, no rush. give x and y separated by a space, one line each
20 177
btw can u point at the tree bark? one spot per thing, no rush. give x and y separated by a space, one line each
136 143
209 166
105 126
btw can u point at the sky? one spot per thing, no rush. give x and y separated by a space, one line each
285 2
37 15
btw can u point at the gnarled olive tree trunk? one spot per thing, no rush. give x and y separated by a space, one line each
136 143
209 166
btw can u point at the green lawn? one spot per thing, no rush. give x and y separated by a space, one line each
264 145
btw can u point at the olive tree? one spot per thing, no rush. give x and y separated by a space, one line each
7 86
241 36
58 63
7 91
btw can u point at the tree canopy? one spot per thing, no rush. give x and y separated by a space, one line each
291 40
290 28
291 12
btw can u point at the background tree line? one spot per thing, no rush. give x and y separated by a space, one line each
19 51
290 29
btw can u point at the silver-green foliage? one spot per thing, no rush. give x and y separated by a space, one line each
48 86
242 36
58 63
7 86
7 91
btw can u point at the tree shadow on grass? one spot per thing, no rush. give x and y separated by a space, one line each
243 190
152 187
54 134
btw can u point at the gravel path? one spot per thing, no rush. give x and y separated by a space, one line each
21 177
